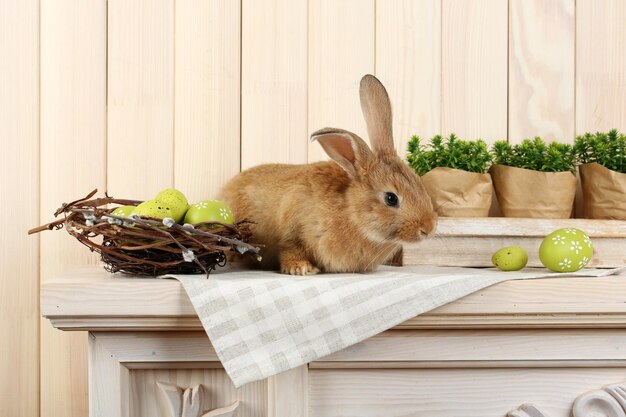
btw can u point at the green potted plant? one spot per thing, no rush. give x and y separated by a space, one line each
454 174
603 174
534 179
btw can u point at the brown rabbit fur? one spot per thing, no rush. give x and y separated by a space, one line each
336 216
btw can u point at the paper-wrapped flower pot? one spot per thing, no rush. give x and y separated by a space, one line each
458 193
604 192
534 194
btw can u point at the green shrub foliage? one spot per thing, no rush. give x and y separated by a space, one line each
536 155
450 152
607 149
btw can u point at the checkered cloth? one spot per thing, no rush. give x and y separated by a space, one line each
263 323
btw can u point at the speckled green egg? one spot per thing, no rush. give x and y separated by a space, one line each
123 211
156 209
209 211
566 250
511 258
176 200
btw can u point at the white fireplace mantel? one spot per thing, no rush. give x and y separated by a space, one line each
545 342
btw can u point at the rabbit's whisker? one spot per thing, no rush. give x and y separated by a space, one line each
380 246
376 247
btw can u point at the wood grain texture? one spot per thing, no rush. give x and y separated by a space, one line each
274 82
471 242
541 70
600 65
474 69
611 397
109 383
474 251
341 51
288 392
408 62
140 148
450 392
19 207
218 391
92 299
73 143
126 367
190 402
500 227
207 113
157 347
432 320
487 346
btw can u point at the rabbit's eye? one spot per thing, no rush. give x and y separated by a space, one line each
391 199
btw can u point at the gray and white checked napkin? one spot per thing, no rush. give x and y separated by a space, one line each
263 323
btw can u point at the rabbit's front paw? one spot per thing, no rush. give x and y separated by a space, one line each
298 268
292 263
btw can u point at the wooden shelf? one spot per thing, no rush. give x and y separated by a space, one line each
92 299
472 241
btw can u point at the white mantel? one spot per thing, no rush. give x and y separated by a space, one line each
542 341
92 299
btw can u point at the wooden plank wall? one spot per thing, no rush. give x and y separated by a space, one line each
19 207
474 68
541 70
73 161
137 95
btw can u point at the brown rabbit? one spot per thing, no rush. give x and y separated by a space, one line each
346 215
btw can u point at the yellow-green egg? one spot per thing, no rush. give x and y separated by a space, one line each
566 250
511 258
209 211
123 211
156 209
176 200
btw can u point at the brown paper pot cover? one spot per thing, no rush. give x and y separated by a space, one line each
527 193
604 192
458 193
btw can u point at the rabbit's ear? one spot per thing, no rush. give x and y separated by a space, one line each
345 148
376 109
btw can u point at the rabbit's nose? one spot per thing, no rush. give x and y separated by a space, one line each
428 227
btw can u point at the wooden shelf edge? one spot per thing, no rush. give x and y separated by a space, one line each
92 300
524 227
424 322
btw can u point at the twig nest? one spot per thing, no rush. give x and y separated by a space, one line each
144 238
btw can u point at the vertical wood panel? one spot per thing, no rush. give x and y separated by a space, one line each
341 51
140 97
73 147
474 68
207 117
288 393
274 82
408 62
541 70
481 392
19 207
600 65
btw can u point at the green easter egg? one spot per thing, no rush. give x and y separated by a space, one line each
176 200
566 250
511 258
156 209
123 211
209 211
